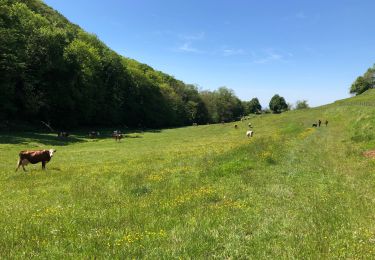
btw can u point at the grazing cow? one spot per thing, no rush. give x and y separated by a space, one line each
236 126
314 125
118 136
94 134
249 133
62 134
43 156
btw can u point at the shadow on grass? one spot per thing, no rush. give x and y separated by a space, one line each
53 140
45 139
133 136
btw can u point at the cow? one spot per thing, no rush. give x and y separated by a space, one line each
43 156
236 126
249 133
117 135
314 125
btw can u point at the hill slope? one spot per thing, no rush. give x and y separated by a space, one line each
54 71
291 191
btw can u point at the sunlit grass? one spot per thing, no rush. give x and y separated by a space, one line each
291 191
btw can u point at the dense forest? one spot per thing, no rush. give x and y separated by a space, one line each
51 70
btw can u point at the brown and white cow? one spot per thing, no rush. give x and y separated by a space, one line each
33 157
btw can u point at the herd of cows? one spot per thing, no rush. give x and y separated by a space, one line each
44 156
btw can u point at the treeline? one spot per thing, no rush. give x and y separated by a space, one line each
53 71
364 82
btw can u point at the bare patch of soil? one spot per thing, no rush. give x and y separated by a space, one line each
369 154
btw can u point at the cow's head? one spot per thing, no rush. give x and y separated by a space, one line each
51 152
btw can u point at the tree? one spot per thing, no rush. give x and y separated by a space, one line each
222 105
363 83
54 71
301 104
360 85
278 104
209 100
254 106
228 106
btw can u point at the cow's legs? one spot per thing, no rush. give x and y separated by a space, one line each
21 163
43 165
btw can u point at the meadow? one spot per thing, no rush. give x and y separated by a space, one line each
208 191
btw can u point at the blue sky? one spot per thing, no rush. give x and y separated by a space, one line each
299 49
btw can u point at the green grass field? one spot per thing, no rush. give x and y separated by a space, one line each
291 191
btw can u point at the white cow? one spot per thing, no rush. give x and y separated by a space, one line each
249 133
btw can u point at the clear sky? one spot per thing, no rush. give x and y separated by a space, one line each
298 49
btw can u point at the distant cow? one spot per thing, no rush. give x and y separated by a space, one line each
249 133
326 122
235 126
26 157
94 134
314 125
118 137
62 134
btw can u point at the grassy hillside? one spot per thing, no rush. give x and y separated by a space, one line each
291 191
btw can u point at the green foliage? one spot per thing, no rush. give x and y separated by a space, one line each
360 85
363 83
222 105
253 106
278 104
54 71
301 104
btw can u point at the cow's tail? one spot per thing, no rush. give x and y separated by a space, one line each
18 164
19 161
